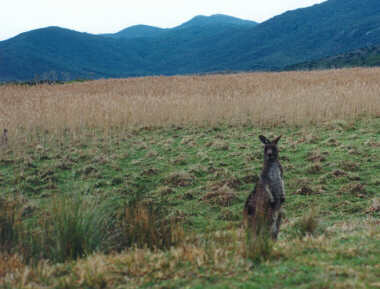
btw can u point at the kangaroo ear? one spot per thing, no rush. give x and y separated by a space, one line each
264 140
275 141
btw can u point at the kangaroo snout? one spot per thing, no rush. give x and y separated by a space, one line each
269 153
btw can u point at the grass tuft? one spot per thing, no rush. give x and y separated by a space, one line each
10 220
70 227
308 223
146 225
259 242
74 226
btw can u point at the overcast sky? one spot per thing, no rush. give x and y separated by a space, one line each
110 16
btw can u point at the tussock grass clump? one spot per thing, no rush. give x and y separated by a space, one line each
69 227
308 224
72 226
259 244
146 226
10 220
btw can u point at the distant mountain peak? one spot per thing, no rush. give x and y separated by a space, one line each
202 20
49 32
139 31
147 31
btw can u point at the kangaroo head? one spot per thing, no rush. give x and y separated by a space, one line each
270 148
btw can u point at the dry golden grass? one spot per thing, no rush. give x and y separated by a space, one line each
261 98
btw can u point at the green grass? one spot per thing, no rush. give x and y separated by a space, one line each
200 177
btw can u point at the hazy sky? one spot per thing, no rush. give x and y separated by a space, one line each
110 16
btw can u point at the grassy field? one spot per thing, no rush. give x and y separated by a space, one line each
140 183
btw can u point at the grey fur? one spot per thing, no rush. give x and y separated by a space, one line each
264 203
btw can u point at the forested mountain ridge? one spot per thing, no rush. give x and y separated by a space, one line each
217 43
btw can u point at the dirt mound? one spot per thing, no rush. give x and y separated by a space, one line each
224 196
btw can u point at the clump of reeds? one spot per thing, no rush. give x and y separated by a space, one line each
74 226
146 225
69 227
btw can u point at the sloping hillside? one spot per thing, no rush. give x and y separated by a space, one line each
367 56
330 28
66 53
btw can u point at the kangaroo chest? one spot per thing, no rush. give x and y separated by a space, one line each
275 180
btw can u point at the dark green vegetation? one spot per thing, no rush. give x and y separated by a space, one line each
204 44
368 56
71 226
146 31
137 31
199 177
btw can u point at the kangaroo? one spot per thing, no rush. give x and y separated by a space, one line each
4 137
263 205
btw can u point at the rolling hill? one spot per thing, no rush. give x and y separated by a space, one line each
58 51
217 19
203 44
139 31
366 56
146 31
